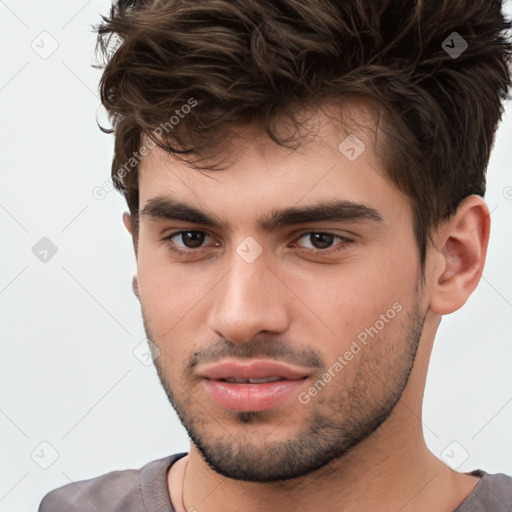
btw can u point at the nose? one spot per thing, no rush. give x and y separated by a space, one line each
247 301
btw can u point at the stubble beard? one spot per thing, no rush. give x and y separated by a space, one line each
340 418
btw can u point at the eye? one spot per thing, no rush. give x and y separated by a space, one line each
188 242
191 241
323 241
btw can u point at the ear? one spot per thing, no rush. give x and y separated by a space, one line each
127 221
135 288
459 254
128 224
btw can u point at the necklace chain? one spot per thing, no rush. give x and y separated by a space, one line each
183 488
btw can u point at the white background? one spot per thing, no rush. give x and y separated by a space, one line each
69 326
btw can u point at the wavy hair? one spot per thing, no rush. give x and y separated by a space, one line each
257 61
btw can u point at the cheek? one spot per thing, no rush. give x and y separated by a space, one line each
172 295
351 298
171 303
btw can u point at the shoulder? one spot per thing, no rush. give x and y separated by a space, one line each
114 491
109 491
493 492
499 488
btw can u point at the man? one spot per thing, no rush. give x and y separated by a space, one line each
305 182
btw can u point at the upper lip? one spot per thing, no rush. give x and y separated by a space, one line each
254 369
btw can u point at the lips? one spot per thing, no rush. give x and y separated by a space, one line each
251 370
252 385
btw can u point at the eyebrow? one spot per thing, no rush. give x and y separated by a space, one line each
166 208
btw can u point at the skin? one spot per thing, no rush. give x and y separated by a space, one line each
365 424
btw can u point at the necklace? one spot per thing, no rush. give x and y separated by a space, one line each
183 488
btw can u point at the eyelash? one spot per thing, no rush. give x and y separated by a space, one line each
346 242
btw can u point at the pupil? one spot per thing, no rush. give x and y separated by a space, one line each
320 237
192 239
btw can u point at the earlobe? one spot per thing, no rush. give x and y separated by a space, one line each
461 248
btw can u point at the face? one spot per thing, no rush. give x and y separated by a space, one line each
266 274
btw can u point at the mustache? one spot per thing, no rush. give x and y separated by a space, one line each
283 351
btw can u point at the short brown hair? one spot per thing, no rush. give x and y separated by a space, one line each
252 61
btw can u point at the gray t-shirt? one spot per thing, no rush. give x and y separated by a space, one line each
145 490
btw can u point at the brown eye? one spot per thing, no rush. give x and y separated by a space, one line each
192 239
186 241
320 241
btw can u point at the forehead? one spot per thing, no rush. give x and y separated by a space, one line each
336 161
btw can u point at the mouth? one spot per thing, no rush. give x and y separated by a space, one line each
234 380
251 385
250 369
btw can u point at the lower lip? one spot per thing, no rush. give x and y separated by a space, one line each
251 397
